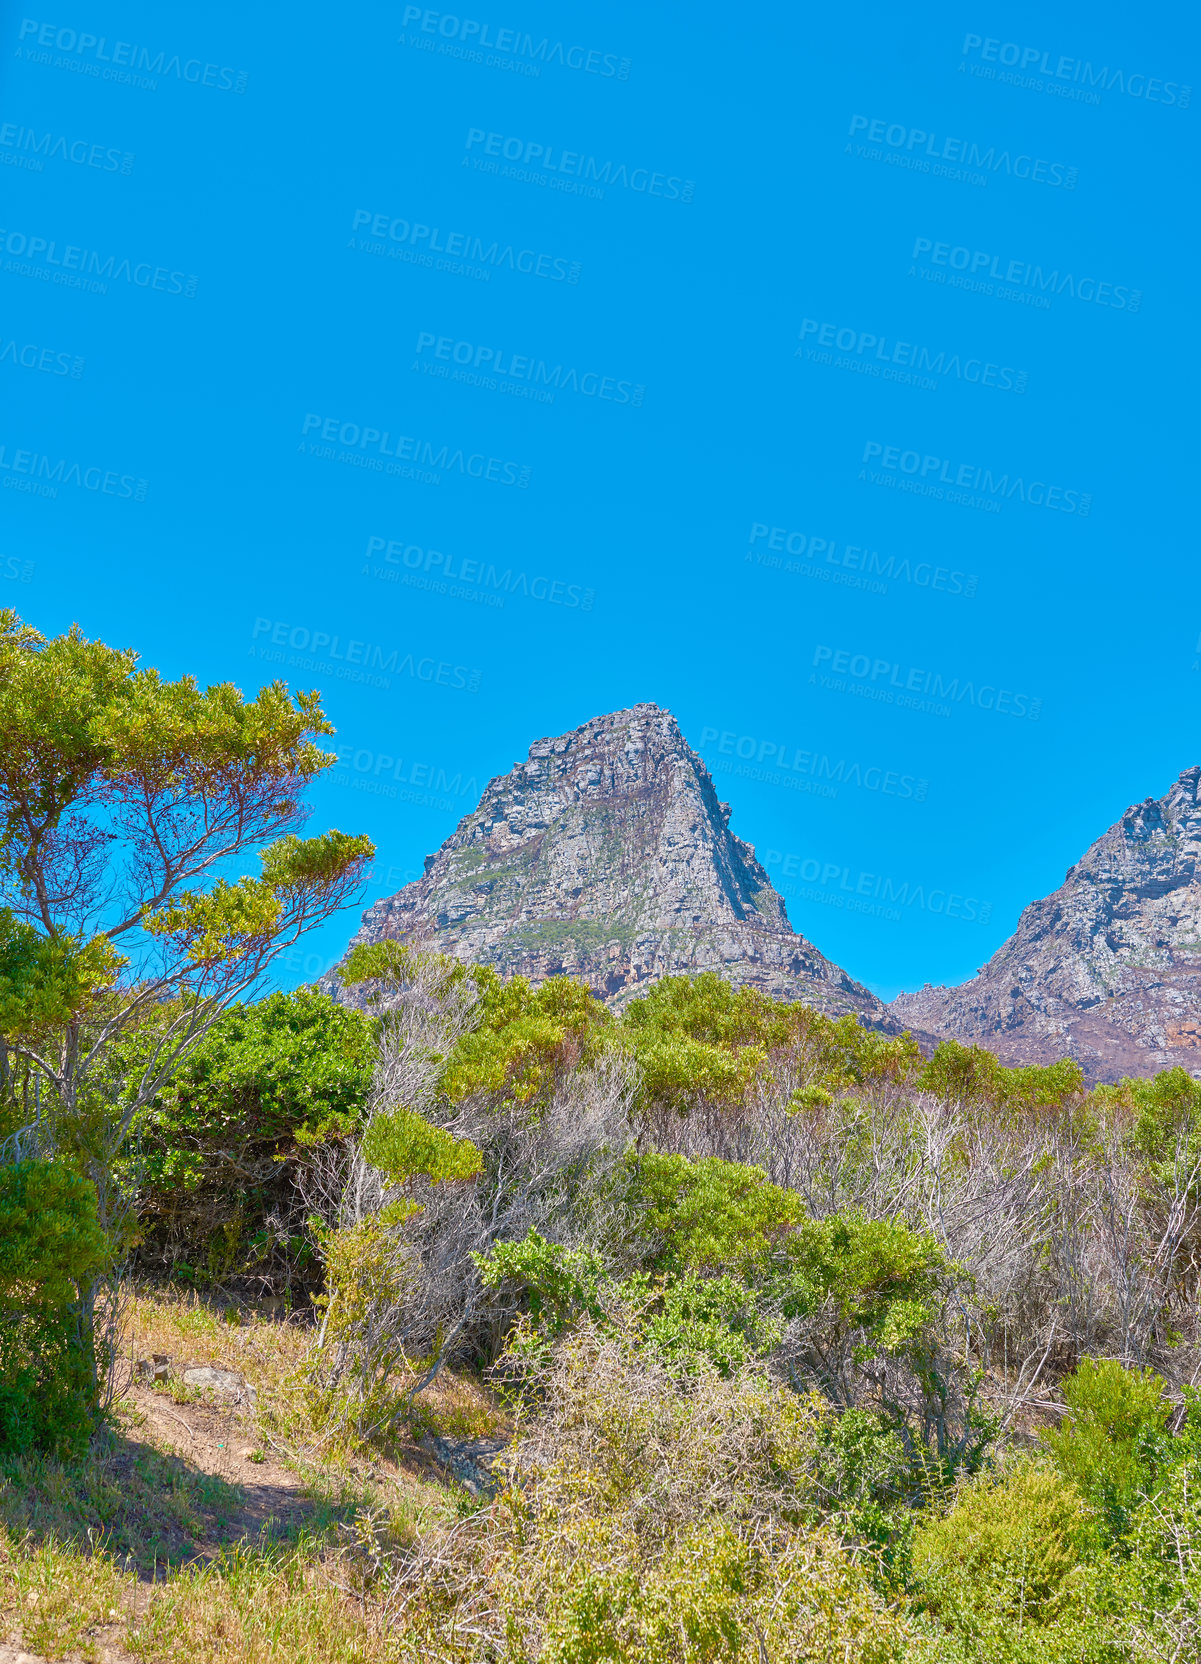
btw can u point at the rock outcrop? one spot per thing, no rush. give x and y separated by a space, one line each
607 856
1107 969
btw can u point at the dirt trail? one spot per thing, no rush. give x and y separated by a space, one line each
219 1439
216 1439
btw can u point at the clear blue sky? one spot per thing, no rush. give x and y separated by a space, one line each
762 362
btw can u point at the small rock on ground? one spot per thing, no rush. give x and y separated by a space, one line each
227 1383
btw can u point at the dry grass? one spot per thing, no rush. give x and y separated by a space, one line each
264 1347
203 1530
249 1607
459 1407
58 1603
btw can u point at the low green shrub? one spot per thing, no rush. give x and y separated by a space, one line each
1155 1583
51 1249
656 1515
1005 1573
1114 1438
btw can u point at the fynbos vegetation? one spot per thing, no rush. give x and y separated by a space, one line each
720 1328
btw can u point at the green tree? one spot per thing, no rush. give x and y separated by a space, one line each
125 799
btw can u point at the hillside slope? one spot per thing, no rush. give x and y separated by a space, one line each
1107 969
607 856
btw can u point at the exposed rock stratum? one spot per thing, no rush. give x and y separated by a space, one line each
606 856
1107 969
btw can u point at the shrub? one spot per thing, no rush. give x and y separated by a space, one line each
971 1074
1114 1437
1166 1116
654 1517
560 1284
51 1249
867 1301
696 1321
880 1278
526 1039
214 1155
713 1213
1157 1583
699 1038
1004 1572
370 1268
403 1145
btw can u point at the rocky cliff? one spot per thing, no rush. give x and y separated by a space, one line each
1108 968
607 856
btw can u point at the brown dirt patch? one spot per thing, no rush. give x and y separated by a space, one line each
222 1441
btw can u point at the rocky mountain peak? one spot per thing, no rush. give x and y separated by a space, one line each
606 855
1107 969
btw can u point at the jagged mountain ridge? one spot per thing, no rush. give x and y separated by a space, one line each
607 856
1107 969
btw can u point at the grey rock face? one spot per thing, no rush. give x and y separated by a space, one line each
1107 969
606 856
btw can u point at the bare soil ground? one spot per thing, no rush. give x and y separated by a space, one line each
221 1441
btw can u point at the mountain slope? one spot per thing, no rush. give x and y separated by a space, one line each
607 856
1108 968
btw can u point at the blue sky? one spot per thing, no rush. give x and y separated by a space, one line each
825 379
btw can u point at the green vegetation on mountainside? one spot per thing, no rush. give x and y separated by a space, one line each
808 1346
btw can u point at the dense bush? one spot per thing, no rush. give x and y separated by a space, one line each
51 1250
1154 1578
654 1518
1114 1438
213 1158
698 1040
972 1075
1005 1572
713 1214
